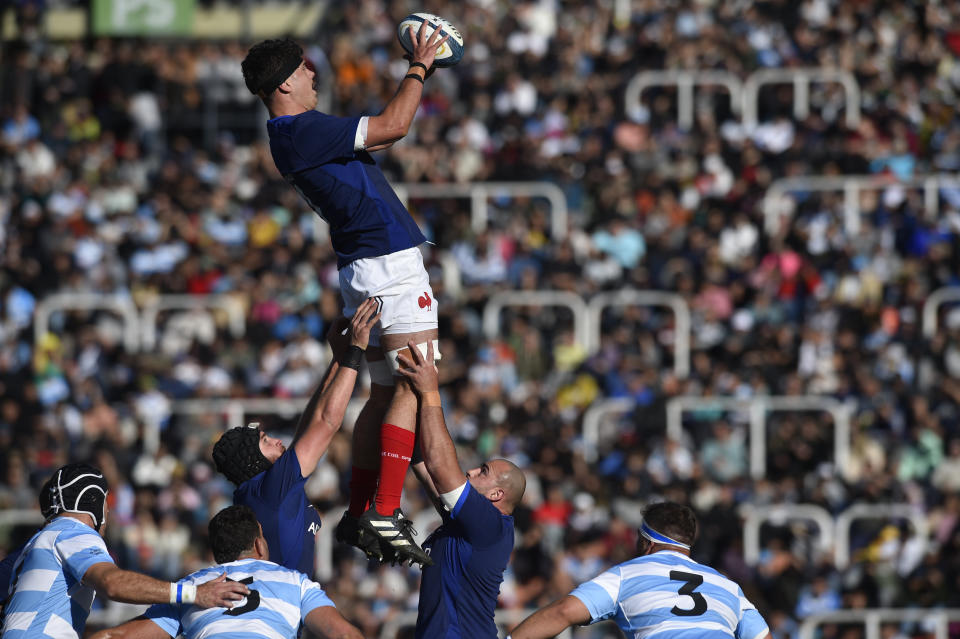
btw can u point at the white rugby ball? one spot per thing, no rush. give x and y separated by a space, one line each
449 53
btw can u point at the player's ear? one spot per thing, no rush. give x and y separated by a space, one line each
261 548
496 494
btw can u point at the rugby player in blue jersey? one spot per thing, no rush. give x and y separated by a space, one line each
660 593
327 160
280 602
270 478
58 573
470 550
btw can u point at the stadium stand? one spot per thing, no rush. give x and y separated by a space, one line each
135 169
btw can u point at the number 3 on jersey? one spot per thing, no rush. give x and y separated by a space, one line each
691 582
253 600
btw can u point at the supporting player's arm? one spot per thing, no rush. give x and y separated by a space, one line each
139 628
552 620
439 453
393 124
327 621
132 587
325 411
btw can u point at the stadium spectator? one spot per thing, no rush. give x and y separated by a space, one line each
240 549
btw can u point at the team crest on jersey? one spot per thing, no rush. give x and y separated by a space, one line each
425 302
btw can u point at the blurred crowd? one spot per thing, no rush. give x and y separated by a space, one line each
138 169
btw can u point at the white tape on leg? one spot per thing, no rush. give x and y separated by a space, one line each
394 364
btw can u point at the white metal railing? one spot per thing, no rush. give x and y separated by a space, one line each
758 408
122 306
775 214
593 419
498 301
875 511
755 516
628 297
480 192
17 516
227 303
685 81
505 619
932 306
801 79
872 618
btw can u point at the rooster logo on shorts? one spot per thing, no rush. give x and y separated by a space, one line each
425 302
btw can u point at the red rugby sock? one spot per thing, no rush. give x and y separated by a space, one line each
396 447
363 485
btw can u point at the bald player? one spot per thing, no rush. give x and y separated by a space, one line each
458 594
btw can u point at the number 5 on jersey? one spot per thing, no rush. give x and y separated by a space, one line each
253 600
691 582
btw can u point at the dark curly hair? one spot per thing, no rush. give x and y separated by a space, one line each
269 63
673 520
232 532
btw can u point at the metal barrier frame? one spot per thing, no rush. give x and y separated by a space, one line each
480 192
874 511
227 303
629 297
755 516
801 79
851 186
498 301
122 306
873 617
685 81
593 418
758 408
931 308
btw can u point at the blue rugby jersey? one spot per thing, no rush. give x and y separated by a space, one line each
279 601
46 595
458 593
290 523
669 594
315 153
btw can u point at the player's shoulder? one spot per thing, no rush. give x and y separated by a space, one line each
260 570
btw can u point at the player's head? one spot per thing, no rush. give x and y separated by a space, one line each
244 452
667 525
275 68
235 532
500 481
76 488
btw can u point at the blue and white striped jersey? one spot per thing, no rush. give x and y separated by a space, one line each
47 596
667 594
279 600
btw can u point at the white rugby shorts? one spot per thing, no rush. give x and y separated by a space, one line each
401 285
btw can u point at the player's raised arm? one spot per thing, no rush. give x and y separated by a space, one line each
439 453
393 124
327 407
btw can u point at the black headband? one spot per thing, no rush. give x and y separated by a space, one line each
287 67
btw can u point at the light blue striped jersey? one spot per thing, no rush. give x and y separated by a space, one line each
47 596
667 594
279 600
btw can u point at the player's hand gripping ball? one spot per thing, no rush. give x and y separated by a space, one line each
449 53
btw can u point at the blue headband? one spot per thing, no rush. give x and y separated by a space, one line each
660 538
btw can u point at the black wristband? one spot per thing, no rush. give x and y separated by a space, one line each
352 358
414 76
421 65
